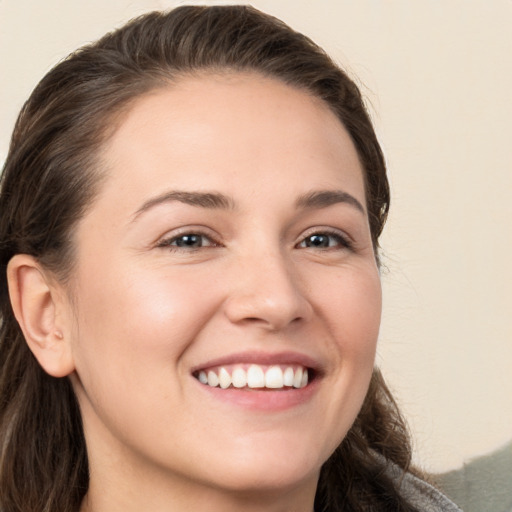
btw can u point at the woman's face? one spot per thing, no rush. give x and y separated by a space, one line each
229 242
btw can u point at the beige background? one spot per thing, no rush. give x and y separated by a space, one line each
438 78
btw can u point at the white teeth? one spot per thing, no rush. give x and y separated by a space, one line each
224 378
239 378
255 377
288 376
213 380
274 378
297 379
304 381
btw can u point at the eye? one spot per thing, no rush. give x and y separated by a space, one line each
188 241
325 240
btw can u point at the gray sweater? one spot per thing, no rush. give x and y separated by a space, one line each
423 496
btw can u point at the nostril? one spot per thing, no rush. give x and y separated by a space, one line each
263 309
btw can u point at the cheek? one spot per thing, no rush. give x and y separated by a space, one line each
142 316
348 307
364 310
133 330
350 303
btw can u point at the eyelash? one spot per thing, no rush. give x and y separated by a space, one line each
341 241
169 243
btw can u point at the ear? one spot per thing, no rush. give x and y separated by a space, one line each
40 306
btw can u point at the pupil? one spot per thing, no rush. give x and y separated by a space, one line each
189 241
318 241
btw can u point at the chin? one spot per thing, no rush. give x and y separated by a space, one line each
276 466
269 479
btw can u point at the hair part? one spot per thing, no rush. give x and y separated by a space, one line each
52 174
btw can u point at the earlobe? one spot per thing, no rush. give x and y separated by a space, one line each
38 305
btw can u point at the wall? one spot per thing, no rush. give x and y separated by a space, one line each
438 77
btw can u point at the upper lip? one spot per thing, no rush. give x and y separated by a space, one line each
262 358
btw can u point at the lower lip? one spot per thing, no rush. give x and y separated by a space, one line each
263 400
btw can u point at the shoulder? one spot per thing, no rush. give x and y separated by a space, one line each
421 494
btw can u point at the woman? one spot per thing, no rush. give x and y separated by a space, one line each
191 300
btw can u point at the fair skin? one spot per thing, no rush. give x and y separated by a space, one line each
274 268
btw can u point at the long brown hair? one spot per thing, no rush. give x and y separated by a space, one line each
51 176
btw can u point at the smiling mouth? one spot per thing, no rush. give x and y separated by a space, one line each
255 376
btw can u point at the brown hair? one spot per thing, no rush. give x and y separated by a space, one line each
50 178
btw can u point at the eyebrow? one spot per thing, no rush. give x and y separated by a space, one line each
324 198
212 200
215 200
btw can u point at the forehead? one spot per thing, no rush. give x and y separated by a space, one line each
213 128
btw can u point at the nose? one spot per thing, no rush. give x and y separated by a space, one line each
266 292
